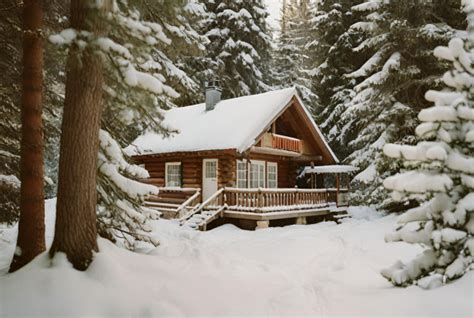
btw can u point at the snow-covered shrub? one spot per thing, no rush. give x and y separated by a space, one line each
440 172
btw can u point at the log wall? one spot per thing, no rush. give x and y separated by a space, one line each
191 165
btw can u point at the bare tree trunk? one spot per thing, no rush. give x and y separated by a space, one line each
76 232
30 241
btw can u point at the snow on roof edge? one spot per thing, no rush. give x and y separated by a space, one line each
252 137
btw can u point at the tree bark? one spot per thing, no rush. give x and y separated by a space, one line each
31 240
75 231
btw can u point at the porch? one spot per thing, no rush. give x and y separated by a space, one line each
250 207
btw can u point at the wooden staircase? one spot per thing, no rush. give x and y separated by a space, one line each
211 209
174 203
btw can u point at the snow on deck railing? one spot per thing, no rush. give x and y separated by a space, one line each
191 201
261 200
264 199
214 200
177 189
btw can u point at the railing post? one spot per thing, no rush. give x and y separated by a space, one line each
259 199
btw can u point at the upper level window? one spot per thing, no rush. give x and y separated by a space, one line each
257 174
272 175
173 174
241 174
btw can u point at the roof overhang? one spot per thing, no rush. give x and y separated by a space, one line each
329 169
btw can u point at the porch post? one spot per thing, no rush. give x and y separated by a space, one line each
262 224
337 189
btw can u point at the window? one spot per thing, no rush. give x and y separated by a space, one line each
272 175
173 174
257 174
210 169
241 174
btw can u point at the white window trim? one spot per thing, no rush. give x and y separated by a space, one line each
204 161
272 164
261 163
237 179
167 164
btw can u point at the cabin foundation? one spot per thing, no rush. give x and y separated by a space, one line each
301 220
262 225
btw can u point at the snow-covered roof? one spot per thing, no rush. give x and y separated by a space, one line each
329 169
233 124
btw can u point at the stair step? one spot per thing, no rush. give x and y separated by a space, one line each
340 216
161 204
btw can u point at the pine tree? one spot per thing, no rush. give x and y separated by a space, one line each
390 85
239 47
10 66
31 241
10 81
289 61
440 172
333 58
122 216
75 231
140 65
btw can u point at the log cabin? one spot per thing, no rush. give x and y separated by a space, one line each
240 160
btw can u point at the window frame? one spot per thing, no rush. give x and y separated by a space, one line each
167 182
269 165
238 179
205 171
261 182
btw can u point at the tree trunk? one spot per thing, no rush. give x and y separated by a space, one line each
30 241
76 232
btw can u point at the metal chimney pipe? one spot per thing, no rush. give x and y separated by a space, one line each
213 94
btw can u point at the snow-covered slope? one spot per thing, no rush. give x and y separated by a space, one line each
316 270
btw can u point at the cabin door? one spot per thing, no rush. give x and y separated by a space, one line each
209 178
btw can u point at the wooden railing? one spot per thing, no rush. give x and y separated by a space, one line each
174 202
214 202
190 203
269 200
286 143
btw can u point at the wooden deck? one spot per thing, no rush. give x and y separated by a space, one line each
258 205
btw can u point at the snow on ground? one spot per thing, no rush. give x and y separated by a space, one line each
323 269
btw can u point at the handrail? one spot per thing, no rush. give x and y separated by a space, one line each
285 137
177 189
200 207
188 201
275 190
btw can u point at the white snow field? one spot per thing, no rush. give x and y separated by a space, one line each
323 269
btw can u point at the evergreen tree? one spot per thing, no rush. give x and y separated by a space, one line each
440 172
289 61
128 110
10 66
75 230
31 241
391 83
239 47
333 58
122 216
